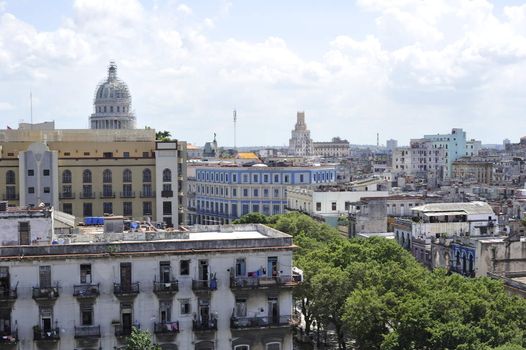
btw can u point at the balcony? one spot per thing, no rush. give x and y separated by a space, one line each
166 328
147 194
11 197
86 290
107 195
45 293
87 195
261 322
205 326
66 195
244 283
126 290
8 336
125 330
8 294
52 334
166 194
127 194
204 285
83 332
165 288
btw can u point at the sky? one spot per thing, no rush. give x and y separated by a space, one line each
400 68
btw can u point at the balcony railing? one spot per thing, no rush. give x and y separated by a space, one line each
166 287
8 336
86 290
52 334
166 327
66 195
11 197
127 194
204 326
8 294
107 194
87 332
166 194
87 195
125 330
261 322
120 289
45 293
147 194
204 285
282 281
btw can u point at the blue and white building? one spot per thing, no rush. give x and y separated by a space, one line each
222 193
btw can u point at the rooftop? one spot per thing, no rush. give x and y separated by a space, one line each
470 208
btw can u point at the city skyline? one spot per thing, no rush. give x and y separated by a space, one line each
400 68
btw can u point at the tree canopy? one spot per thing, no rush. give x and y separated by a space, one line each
377 296
140 340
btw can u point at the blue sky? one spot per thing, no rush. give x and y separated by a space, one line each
402 68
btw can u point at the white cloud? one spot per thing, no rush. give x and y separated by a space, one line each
184 9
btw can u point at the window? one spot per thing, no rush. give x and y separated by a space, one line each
146 208
126 154
87 209
86 176
30 172
146 175
145 154
255 208
241 308
167 175
47 190
276 192
127 209
167 208
244 209
184 267
234 177
107 176
165 311
234 192
127 190
265 192
301 177
86 153
185 306
10 178
86 314
66 177
286 179
255 178
276 208
107 208
107 155
333 206
24 232
87 191
245 192
265 178
276 178
347 206
127 175
30 190
44 276
242 347
85 273
273 346
241 267
67 208
45 172
256 192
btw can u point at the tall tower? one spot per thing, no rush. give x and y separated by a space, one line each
300 143
112 104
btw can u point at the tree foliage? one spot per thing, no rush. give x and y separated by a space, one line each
163 135
140 340
377 296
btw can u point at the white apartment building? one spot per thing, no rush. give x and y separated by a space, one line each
213 287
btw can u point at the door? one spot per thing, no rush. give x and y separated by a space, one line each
24 233
164 272
241 268
272 266
204 312
5 320
126 318
203 270
45 276
46 319
273 311
165 311
5 283
126 276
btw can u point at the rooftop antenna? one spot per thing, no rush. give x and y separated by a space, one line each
235 122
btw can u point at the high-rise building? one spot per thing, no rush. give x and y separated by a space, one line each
391 144
112 104
300 143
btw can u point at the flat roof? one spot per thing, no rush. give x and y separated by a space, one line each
454 208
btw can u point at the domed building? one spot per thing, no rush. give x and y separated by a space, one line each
112 104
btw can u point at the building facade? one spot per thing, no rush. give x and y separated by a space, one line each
300 143
337 148
221 194
192 290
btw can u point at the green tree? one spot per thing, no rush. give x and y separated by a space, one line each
252 218
140 340
163 135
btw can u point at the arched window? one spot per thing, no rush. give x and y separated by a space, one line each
167 175
86 176
146 175
106 176
10 178
127 175
242 347
273 346
66 177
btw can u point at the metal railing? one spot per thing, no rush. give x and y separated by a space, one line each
9 293
87 195
262 281
166 327
11 197
52 334
127 194
86 290
147 194
107 194
49 293
87 331
206 325
260 322
166 287
66 195
125 330
120 289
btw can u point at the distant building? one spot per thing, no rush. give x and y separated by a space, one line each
337 148
472 171
391 144
300 143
